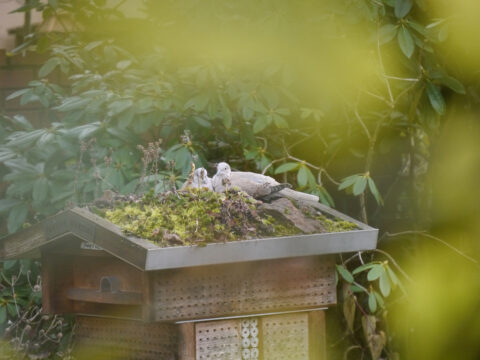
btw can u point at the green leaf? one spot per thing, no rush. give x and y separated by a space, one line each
3 314
73 103
435 97
387 32
198 102
348 181
384 284
379 298
17 217
12 310
260 124
374 191
324 196
17 93
363 268
93 45
227 117
417 27
286 167
48 67
126 117
119 106
202 122
40 190
280 122
402 8
392 276
375 272
372 302
7 204
345 273
453 84
359 186
302 176
349 307
9 264
405 41
122 65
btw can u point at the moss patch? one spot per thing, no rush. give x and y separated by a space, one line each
336 225
200 217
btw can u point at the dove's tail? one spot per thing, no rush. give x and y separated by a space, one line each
279 187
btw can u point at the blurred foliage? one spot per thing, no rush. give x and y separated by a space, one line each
345 99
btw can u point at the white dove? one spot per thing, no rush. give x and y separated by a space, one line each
201 179
221 179
255 185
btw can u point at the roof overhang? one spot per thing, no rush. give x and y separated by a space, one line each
86 226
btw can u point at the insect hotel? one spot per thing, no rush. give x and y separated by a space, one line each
248 299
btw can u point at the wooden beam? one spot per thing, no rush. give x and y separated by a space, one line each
118 298
186 341
316 335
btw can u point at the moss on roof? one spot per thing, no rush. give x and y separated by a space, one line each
198 216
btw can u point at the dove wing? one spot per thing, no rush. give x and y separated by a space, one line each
252 188
253 177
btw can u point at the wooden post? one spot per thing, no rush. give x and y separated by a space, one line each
316 331
186 341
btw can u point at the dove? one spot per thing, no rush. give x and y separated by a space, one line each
197 179
220 180
201 179
255 185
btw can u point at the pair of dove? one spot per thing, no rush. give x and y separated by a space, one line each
255 185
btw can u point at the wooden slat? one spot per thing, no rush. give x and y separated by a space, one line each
186 341
110 238
22 242
316 331
119 298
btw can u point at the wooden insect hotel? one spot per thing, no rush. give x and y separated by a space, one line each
247 299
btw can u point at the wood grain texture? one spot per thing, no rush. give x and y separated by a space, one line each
96 296
186 341
317 338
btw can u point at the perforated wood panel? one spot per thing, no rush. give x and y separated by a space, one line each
102 338
218 340
285 337
245 288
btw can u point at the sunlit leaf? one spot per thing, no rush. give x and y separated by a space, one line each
374 191
346 275
363 268
286 167
375 272
359 185
347 182
302 176
387 33
384 284
402 8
